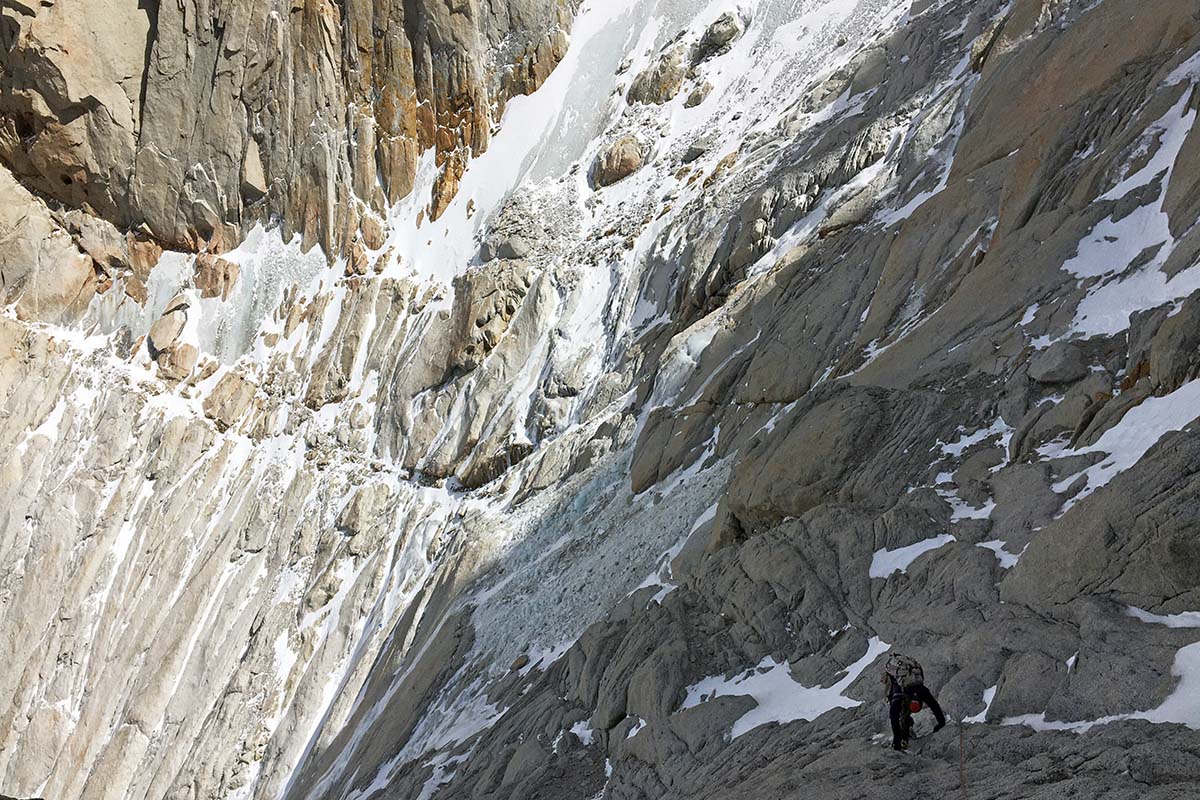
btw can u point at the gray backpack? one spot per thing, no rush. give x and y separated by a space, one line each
905 670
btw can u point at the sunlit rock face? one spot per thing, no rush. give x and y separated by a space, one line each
646 389
192 121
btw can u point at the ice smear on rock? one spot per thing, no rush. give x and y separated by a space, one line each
268 266
1187 619
583 732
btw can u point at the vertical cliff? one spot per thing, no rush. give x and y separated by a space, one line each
646 391
189 122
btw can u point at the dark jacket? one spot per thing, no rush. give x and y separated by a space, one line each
897 697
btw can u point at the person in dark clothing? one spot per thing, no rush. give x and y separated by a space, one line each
898 696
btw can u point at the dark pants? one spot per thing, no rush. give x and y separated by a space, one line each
916 692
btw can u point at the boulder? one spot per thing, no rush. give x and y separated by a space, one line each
661 81
718 37
510 247
170 343
229 400
618 161
698 95
177 363
254 177
373 234
1061 362
167 329
696 149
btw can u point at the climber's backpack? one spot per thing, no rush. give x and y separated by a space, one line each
905 670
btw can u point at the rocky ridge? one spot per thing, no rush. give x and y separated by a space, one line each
887 342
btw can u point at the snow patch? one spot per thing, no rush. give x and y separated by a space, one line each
1130 439
583 732
967 440
885 562
989 695
637 727
1007 560
1187 619
1182 706
779 697
1113 245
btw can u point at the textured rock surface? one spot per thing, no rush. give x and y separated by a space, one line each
192 121
41 269
618 161
888 343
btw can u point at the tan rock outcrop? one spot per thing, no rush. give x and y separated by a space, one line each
229 401
180 117
41 269
365 518
487 299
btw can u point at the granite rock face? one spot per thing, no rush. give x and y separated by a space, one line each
564 483
41 269
192 121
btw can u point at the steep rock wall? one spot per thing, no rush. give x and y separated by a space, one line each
883 343
190 122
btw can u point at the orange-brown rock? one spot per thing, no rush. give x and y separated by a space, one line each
446 185
373 234
143 256
215 276
177 363
357 262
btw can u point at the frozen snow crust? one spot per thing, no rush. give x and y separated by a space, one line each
888 340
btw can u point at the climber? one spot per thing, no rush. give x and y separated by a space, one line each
904 683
